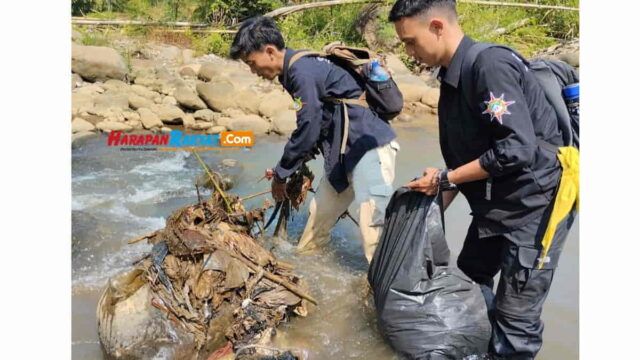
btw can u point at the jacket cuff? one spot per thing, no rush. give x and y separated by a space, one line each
490 164
283 173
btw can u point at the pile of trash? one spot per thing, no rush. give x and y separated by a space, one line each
207 290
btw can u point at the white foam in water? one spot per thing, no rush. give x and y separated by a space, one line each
173 163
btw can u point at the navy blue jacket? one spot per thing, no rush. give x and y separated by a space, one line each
319 124
501 125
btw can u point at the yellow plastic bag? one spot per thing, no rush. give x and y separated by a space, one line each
566 198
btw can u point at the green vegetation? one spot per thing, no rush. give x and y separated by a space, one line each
527 30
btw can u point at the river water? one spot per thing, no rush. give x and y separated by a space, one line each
119 195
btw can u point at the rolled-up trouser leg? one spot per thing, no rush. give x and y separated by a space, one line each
372 181
325 208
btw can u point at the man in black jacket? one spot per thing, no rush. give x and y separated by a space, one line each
366 170
497 138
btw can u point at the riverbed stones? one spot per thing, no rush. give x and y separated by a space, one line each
108 126
411 87
249 123
205 115
218 95
149 119
76 81
249 101
136 101
169 114
97 63
284 122
216 129
79 125
189 99
274 102
81 102
431 97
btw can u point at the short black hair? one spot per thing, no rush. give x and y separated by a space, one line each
254 33
409 8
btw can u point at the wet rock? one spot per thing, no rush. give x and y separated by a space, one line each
108 126
97 63
149 119
189 99
275 102
284 122
218 95
81 125
169 114
205 114
249 123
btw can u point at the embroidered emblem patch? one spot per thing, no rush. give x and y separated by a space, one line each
497 107
297 104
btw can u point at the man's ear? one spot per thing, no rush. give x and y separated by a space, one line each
436 26
270 50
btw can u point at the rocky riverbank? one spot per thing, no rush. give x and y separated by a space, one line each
158 87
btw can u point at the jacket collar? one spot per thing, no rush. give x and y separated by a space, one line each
285 67
451 75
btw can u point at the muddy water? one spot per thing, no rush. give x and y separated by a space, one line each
120 195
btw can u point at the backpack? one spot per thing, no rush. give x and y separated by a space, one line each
553 75
384 98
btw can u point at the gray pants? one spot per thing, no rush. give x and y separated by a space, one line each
516 307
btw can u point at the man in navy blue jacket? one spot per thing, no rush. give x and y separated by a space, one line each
366 171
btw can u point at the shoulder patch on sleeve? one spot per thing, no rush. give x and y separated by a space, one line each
497 107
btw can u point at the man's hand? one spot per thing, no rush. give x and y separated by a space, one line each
278 189
269 174
428 183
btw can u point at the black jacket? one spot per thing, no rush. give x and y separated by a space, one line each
501 124
319 124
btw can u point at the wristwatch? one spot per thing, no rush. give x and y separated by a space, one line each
444 183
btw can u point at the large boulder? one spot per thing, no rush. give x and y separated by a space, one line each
169 114
411 87
189 99
209 71
97 63
149 119
284 122
249 123
251 100
242 79
275 102
395 64
218 95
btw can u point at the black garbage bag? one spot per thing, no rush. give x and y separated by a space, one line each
426 309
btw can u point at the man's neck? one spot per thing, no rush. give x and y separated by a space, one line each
452 46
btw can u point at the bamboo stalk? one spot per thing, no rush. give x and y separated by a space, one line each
278 279
140 238
215 183
534 6
255 195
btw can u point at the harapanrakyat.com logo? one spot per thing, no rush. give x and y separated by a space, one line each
177 140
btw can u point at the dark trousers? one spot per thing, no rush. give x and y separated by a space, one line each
516 307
